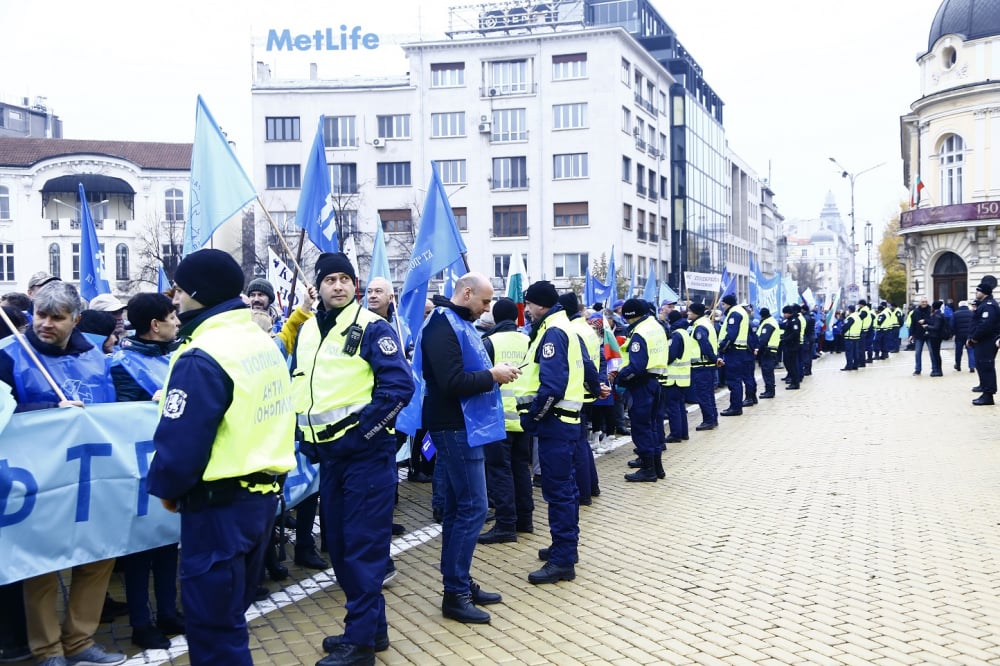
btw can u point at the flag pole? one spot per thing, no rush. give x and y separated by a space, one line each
298 258
281 237
31 353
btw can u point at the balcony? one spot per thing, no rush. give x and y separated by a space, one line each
640 190
934 215
508 183
508 89
641 235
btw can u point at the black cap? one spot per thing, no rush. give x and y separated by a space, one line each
697 308
334 262
542 293
258 284
504 310
765 313
209 276
569 302
634 307
729 299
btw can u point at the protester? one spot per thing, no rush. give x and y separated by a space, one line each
114 307
963 320
933 333
224 442
920 316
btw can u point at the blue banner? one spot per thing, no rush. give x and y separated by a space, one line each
73 488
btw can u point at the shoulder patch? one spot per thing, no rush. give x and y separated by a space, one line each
732 320
548 350
387 345
635 346
986 314
174 404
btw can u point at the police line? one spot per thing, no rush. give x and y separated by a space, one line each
73 488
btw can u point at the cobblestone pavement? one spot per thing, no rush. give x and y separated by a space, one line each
856 521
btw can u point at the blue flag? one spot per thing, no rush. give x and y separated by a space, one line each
588 288
612 278
380 258
451 275
728 282
316 214
668 294
438 245
162 283
219 186
649 293
92 280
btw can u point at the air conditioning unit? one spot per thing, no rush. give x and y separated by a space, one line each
484 118
494 92
485 128
378 143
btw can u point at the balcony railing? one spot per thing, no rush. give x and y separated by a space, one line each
641 234
969 212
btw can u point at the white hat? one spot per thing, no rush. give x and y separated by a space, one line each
106 303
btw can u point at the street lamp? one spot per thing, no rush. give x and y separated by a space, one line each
77 208
868 268
844 173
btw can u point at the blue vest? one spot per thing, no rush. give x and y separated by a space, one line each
84 377
483 413
149 372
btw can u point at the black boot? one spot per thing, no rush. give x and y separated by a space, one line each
348 654
750 400
658 466
459 607
984 399
635 464
768 393
330 643
645 473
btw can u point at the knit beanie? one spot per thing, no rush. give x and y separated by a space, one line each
504 310
209 276
542 293
569 302
634 307
263 286
334 262
697 308
729 299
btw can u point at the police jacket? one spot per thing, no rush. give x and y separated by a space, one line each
510 346
647 352
735 330
769 337
985 322
140 365
962 322
80 370
791 334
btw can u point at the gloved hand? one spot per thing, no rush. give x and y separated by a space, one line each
529 424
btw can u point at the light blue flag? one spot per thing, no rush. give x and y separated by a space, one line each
7 405
438 245
316 213
219 186
588 288
451 275
612 278
649 293
667 294
162 283
92 280
380 258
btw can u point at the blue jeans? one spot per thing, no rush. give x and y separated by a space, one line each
918 350
465 505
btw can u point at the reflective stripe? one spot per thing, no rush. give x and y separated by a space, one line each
657 371
569 405
332 416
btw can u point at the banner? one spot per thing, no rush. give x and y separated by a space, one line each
73 488
280 277
702 281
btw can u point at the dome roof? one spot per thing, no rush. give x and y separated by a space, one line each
972 19
822 235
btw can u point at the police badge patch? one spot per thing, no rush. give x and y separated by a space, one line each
548 350
635 346
732 320
388 346
174 404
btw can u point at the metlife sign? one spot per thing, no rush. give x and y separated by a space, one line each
322 39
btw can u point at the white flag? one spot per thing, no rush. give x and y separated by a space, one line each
280 277
351 250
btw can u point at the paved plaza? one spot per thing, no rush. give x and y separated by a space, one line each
855 521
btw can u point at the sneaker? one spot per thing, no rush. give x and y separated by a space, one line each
96 656
9 655
58 660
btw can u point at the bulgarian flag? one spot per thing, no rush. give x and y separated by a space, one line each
612 350
918 187
516 277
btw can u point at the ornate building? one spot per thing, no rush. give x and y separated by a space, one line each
950 235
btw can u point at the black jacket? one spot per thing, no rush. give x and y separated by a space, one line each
962 322
917 330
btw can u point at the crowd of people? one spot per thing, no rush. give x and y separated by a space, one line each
493 400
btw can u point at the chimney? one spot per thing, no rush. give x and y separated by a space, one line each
263 71
313 71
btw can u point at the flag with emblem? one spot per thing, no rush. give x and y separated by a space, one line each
92 272
315 213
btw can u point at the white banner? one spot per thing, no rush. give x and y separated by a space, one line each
702 281
280 277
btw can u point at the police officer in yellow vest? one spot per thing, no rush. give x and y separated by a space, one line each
734 346
768 343
508 462
853 327
224 442
867 333
703 367
549 399
646 363
349 381
681 351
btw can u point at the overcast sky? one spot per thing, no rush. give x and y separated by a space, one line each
802 81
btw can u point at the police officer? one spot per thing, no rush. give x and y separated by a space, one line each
703 367
982 338
737 357
645 360
852 338
349 381
223 445
549 399
791 339
681 351
867 333
768 344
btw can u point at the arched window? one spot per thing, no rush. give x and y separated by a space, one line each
55 260
173 201
4 203
951 157
121 262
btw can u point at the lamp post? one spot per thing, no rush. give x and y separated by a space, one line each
79 209
868 267
844 173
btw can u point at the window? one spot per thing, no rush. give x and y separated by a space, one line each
173 203
510 173
282 129
447 124
640 180
396 220
508 77
652 184
7 262
393 127
626 120
344 178
626 169
461 218
339 132
571 264
629 265
627 219
570 214
283 176
76 259
55 260
121 262
951 158
452 172
4 203
393 174
569 116
509 125
347 220
510 221
447 74
570 165
572 66
626 73
170 254
501 265
640 224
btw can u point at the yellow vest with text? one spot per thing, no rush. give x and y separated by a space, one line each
868 321
526 388
510 347
593 345
743 334
713 339
657 356
328 385
679 371
854 333
774 339
257 432
802 328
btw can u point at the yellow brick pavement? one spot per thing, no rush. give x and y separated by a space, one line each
856 521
